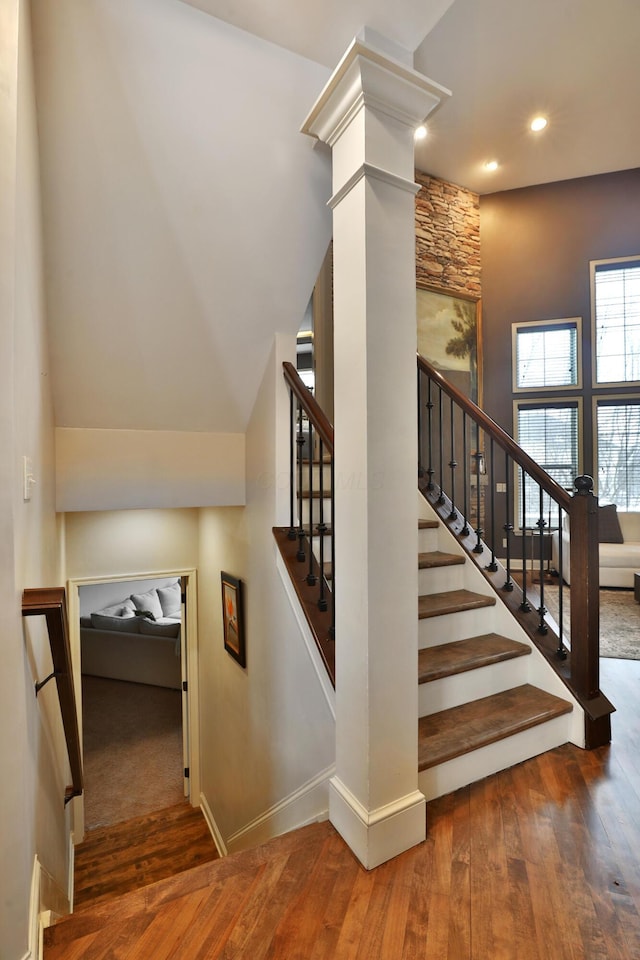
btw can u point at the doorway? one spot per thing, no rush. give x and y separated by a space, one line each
135 674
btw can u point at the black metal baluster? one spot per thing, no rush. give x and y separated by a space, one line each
322 529
525 606
465 477
541 524
493 565
430 470
478 531
311 577
453 513
441 445
561 652
332 629
300 555
508 527
292 534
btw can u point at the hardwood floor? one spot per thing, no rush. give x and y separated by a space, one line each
540 862
117 859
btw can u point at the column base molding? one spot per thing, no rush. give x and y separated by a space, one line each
376 836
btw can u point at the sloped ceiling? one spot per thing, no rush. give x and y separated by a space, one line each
185 216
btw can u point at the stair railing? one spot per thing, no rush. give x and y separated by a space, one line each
466 462
307 545
50 603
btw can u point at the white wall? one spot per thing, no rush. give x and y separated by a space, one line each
267 731
185 215
125 469
32 754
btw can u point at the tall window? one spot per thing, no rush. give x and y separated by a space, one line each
546 354
615 300
618 431
549 432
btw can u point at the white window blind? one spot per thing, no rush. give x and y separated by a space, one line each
618 426
546 355
549 434
616 291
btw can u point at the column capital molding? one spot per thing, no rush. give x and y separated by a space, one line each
367 77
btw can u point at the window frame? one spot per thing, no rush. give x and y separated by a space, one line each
608 400
593 270
544 401
537 324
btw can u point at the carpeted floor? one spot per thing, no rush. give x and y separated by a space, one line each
619 620
132 735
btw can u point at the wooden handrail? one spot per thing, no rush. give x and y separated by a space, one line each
50 602
309 403
494 430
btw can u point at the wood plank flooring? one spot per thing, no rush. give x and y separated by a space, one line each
116 859
539 862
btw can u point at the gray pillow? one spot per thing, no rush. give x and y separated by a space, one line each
120 624
151 628
148 601
608 524
170 598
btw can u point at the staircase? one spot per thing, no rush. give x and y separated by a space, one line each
487 698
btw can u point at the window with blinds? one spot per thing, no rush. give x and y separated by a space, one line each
615 298
550 433
546 354
618 430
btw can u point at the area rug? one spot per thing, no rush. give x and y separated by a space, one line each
619 620
132 738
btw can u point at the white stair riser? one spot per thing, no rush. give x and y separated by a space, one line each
326 477
427 540
315 512
456 626
440 579
471 685
450 776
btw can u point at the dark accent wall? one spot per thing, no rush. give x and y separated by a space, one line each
536 244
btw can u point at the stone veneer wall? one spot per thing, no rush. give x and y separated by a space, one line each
447 236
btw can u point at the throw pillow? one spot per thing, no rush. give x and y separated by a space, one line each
609 525
170 599
148 601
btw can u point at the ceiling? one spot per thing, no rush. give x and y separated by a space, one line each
505 61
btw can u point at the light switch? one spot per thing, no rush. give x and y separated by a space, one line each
28 479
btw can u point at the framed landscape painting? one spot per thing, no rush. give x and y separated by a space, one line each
449 337
233 618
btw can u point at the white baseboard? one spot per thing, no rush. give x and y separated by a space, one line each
376 836
308 804
213 826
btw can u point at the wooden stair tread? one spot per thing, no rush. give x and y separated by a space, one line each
428 524
459 730
448 659
114 860
437 558
109 918
451 601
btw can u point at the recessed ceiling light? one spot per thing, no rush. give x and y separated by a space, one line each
538 124
420 132
491 165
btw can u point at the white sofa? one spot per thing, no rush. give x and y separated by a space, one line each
618 561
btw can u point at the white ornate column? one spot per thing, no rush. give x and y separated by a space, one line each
367 113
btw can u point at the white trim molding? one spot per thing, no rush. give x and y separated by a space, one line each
213 826
377 835
308 804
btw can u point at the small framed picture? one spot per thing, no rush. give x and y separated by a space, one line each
233 618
